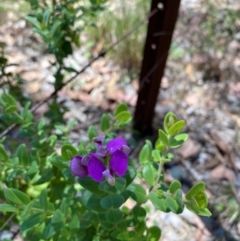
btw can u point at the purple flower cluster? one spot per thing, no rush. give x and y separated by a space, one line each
110 159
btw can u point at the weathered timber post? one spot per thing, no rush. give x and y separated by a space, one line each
158 41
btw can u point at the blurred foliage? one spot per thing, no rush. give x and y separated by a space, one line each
117 20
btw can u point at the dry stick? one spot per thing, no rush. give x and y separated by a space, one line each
128 33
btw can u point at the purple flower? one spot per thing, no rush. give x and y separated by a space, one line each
108 161
117 165
78 167
118 144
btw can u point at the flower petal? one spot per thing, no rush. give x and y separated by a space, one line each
115 144
84 160
119 163
125 149
95 169
109 176
97 154
77 168
98 142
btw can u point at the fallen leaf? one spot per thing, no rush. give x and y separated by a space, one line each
222 145
222 172
92 84
189 148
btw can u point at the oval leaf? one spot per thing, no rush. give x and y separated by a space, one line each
149 173
198 187
169 120
68 152
113 216
92 132
163 137
159 203
112 201
7 208
145 154
105 123
174 186
178 140
15 196
153 234
176 128
171 204
120 108
138 193
34 219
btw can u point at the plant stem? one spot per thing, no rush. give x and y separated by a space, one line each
156 184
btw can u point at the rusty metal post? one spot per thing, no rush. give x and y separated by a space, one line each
158 41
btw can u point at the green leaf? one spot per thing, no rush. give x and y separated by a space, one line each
16 197
41 125
75 222
33 21
179 200
103 220
149 143
124 116
120 108
201 199
138 193
32 220
178 140
3 153
153 234
27 209
171 204
145 154
56 224
176 128
92 201
22 155
112 201
130 175
11 109
89 184
156 155
86 220
43 200
163 137
159 145
158 202
46 16
9 99
139 213
59 162
105 123
202 212
113 216
68 152
119 187
92 132
198 187
149 173
57 217
7 208
169 120
174 186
